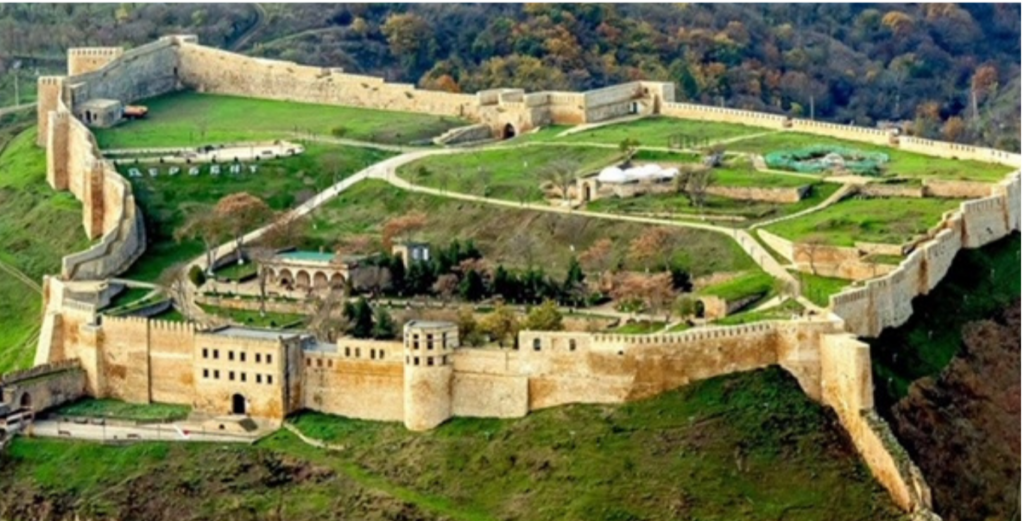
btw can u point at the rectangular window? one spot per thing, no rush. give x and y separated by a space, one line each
416 361
216 374
357 352
319 362
348 351
430 360
257 357
206 373
231 376
309 362
241 356
430 341
216 354
206 353
373 354
270 379
243 376
330 363
231 356
268 358
259 378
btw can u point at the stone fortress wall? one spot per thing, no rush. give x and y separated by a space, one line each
146 360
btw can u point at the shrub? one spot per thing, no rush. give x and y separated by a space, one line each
339 131
196 275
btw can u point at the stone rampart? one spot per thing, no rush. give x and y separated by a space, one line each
955 189
43 387
947 150
87 59
873 136
886 301
109 213
723 115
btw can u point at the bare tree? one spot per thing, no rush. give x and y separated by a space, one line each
240 213
561 173
694 183
524 246
402 227
204 225
523 193
445 286
175 283
810 248
260 257
328 318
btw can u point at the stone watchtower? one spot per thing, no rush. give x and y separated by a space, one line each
429 350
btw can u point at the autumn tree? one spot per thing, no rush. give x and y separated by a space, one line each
446 286
501 325
402 227
655 292
651 247
545 317
240 213
598 257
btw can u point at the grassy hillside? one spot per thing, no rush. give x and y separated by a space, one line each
512 236
37 227
979 285
188 118
746 446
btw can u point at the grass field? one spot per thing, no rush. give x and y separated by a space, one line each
818 289
750 284
191 119
252 318
640 327
746 446
656 132
506 173
116 409
714 206
282 183
904 164
508 235
980 283
883 220
37 227
784 311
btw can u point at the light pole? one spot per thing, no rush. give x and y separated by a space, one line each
17 95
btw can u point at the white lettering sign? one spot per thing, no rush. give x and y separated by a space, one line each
134 172
173 171
193 170
153 172
214 169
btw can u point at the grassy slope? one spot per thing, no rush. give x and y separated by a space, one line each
656 132
678 203
177 120
125 411
746 285
280 182
363 209
510 169
889 220
979 284
745 446
37 227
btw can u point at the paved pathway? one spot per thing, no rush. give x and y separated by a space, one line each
16 108
163 432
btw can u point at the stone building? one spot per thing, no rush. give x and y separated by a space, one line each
313 270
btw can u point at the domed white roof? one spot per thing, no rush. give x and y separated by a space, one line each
612 175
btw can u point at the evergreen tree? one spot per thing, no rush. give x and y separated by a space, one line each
384 326
505 284
419 278
397 269
472 287
360 315
681 280
575 274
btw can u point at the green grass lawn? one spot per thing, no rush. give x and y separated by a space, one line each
639 327
510 236
746 446
739 172
235 272
513 174
128 296
980 283
252 318
750 284
714 206
656 132
904 164
116 409
282 183
179 119
783 311
817 288
884 220
37 227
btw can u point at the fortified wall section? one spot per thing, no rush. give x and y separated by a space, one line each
74 163
43 386
886 301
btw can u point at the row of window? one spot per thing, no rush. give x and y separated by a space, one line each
536 344
242 377
260 357
430 340
428 360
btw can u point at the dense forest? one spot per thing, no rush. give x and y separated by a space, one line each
937 70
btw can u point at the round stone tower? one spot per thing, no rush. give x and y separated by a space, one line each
428 348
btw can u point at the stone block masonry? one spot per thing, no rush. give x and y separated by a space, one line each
272 375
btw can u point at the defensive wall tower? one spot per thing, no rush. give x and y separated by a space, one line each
87 59
428 348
